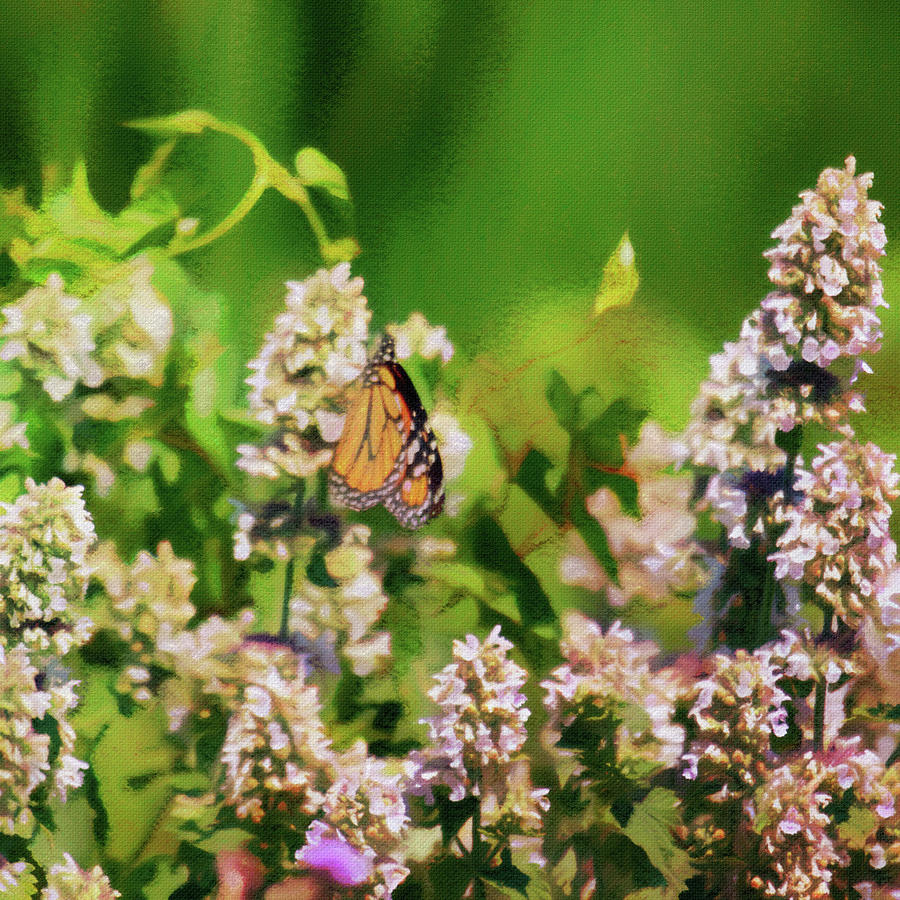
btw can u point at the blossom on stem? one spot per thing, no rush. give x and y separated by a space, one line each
349 608
611 671
778 375
316 349
837 538
736 709
482 720
121 329
276 753
44 538
359 834
26 752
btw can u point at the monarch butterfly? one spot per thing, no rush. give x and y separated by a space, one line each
387 453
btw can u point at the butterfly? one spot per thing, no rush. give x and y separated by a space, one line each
387 453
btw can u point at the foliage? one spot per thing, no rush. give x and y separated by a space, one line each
593 675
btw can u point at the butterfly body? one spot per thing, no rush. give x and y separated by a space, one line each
387 453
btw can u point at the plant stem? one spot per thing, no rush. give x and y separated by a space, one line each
286 599
477 852
819 717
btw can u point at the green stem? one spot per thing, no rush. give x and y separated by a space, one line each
819 717
268 173
180 245
893 757
283 631
478 891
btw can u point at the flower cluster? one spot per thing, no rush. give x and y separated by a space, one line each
274 530
347 610
737 710
276 753
45 536
611 672
202 663
777 375
364 809
837 538
316 349
479 731
68 881
142 597
655 554
27 758
880 637
826 263
122 329
801 845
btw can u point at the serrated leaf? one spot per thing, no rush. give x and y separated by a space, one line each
620 278
650 827
594 536
624 488
315 169
601 438
492 550
79 218
562 400
457 575
859 826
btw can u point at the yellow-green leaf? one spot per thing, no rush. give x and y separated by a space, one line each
315 169
620 278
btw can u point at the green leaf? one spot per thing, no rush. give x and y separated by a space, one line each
621 866
858 827
223 839
403 621
133 750
314 169
80 218
507 875
166 880
188 121
452 814
600 438
449 877
625 488
37 270
532 478
492 550
594 536
562 400
620 278
650 827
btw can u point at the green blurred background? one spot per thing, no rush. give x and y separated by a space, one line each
495 150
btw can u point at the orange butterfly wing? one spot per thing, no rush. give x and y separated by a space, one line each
387 453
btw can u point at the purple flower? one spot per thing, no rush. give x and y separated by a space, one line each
344 863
